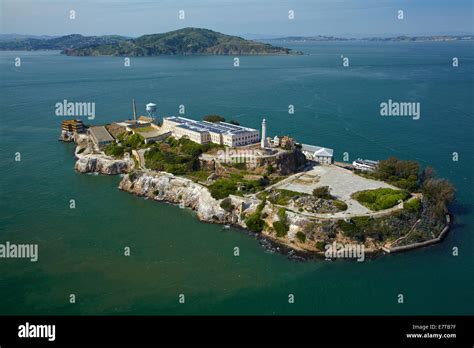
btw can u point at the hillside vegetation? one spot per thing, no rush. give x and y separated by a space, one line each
187 41
68 42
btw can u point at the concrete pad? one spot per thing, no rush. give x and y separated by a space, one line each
342 183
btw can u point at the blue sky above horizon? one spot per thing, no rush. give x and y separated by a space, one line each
249 18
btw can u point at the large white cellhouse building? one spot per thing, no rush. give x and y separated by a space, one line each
203 132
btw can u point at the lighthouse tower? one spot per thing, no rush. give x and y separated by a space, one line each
263 141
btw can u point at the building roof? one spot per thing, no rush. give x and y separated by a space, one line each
205 126
149 133
318 150
74 121
146 119
116 129
100 134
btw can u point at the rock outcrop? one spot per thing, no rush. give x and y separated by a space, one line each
166 187
282 163
169 188
95 163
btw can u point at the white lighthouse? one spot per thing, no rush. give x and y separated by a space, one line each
263 141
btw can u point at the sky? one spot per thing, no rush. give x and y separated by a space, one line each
248 18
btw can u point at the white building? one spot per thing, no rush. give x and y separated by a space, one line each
318 154
202 132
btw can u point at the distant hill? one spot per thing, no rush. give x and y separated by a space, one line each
74 41
188 41
11 37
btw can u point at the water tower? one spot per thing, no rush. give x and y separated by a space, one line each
151 109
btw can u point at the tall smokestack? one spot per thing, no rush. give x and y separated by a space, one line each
134 110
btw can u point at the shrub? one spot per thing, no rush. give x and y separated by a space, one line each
284 196
239 165
189 147
403 174
346 227
280 228
227 205
322 192
282 215
438 193
340 204
222 188
114 150
301 236
320 245
351 230
134 141
255 223
213 118
261 205
413 205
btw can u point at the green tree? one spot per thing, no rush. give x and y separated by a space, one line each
227 205
438 193
322 192
213 118
301 236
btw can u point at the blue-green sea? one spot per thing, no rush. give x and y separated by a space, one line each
81 250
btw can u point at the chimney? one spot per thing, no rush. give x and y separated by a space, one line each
134 111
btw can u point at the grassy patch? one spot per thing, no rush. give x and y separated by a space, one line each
379 199
224 187
199 175
340 204
145 129
413 205
283 196
322 192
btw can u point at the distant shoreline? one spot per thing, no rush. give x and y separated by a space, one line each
189 42
401 38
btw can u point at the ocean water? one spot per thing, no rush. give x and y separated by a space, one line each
172 253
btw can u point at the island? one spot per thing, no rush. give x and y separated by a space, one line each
291 195
187 41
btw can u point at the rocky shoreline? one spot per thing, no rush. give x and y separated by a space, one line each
178 190
166 187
